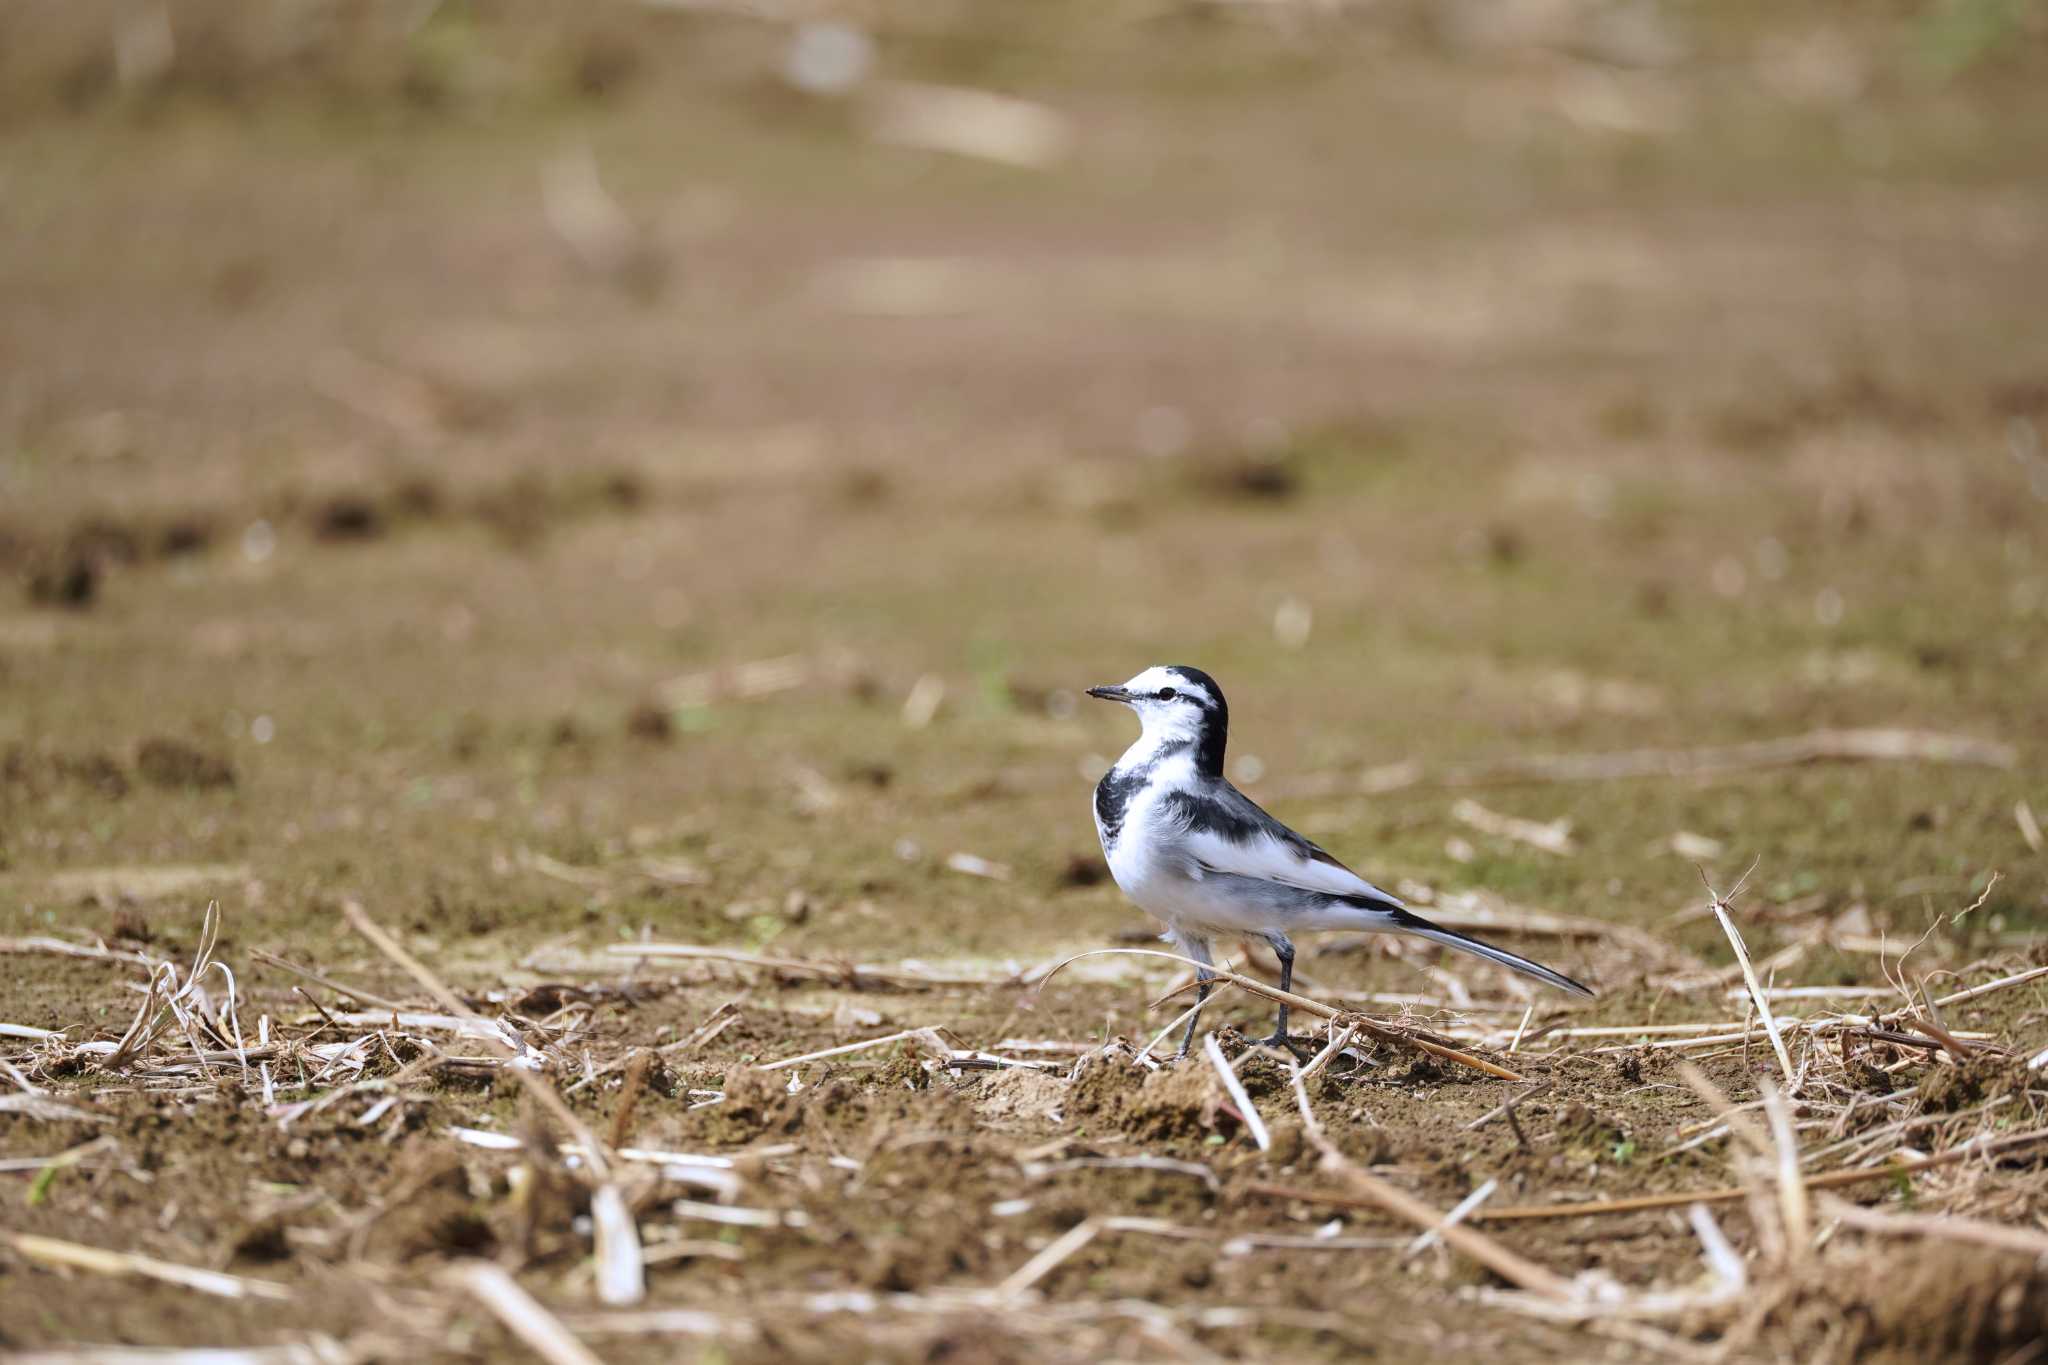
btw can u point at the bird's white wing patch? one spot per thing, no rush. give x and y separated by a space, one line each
1268 857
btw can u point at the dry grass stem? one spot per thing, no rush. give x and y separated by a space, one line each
543 1093
2030 828
54 1251
1552 837
59 948
1374 1192
1816 746
2003 982
1947 1227
1756 990
851 973
522 1314
621 1273
1459 1212
1792 1197
1235 1087
1049 1258
1384 1032
922 1035
351 992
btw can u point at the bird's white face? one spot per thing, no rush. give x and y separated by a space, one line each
1169 704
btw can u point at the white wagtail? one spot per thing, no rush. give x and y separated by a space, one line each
1198 853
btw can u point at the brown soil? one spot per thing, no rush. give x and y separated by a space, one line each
1462 386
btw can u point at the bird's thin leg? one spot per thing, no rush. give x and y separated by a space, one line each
1198 949
1284 950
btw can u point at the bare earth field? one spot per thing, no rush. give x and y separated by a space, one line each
524 495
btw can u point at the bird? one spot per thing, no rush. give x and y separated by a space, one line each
1201 856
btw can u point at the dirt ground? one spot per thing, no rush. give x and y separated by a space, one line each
553 483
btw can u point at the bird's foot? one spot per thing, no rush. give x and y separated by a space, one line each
1287 1043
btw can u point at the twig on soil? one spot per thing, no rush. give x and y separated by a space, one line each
621 1276
318 1350
690 1248
1792 1198
615 1243
1383 1032
352 992
1331 1051
1613 1309
60 948
927 1036
854 974
1235 1087
1976 992
1463 1209
1552 837
36 1104
493 1287
1048 1259
1949 1227
1039 1170
1506 1110
719 1020
1281 1241
1377 1193
1730 1114
543 1093
1722 1195
101 1261
81 1155
739 1217
640 1062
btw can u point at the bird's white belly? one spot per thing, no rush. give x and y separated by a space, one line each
1146 867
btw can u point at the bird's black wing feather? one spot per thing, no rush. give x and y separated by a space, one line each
1229 832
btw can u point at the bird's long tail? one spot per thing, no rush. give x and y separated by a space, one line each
1402 920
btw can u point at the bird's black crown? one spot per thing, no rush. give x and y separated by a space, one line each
1215 732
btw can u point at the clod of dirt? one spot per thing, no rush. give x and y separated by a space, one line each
130 927
1262 478
72 581
1083 869
348 517
183 536
428 1210
604 66
22 766
862 487
652 722
166 762
1913 1302
756 1102
1020 1096
103 540
1177 1102
1946 1089
1872 1079
419 497
1581 1126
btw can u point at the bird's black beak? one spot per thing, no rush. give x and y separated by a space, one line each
1110 693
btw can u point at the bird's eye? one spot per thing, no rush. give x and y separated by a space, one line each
1167 694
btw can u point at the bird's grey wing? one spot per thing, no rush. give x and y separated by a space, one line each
1226 832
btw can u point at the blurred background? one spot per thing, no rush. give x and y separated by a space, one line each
469 455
